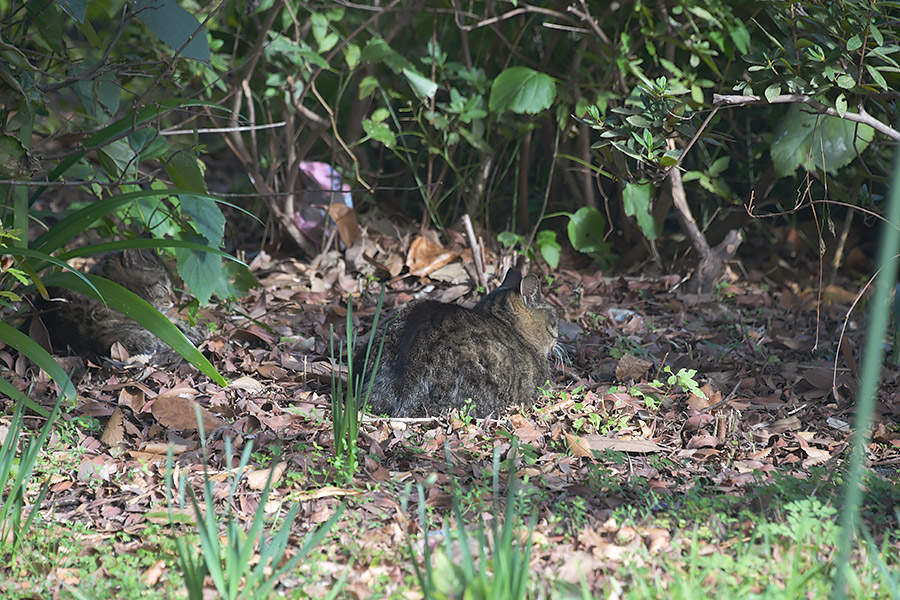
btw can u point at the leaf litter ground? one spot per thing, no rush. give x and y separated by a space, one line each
619 466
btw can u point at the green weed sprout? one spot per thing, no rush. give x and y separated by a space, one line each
228 561
348 403
15 478
502 571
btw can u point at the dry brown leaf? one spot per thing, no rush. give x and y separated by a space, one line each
525 430
578 565
703 440
816 456
132 397
599 442
578 446
152 575
271 371
375 470
632 367
786 424
328 492
634 326
177 412
426 255
114 433
247 383
256 479
698 421
348 227
118 352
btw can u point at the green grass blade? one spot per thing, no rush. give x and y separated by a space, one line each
870 374
28 347
44 257
144 243
13 392
77 222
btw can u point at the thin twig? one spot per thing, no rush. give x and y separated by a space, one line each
170 131
370 419
724 400
586 16
476 251
860 117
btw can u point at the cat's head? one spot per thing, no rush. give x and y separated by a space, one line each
141 271
519 302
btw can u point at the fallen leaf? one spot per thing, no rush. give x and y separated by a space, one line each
247 383
525 430
152 575
257 478
578 446
177 412
118 352
271 371
327 492
132 397
347 225
114 432
632 367
704 440
426 255
816 456
639 446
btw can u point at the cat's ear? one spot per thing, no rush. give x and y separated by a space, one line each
530 289
512 280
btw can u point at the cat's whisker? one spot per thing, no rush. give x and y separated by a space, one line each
561 353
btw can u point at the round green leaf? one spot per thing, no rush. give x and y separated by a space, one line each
522 90
816 141
549 248
586 228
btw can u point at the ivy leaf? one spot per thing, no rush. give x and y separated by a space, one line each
185 172
77 9
840 105
207 217
845 81
351 55
201 271
509 238
522 90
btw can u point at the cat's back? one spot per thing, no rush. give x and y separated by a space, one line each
439 356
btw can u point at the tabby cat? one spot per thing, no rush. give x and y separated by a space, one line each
89 327
437 357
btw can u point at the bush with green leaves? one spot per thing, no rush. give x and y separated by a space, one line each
822 77
89 91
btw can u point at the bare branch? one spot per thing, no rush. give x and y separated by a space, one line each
860 117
